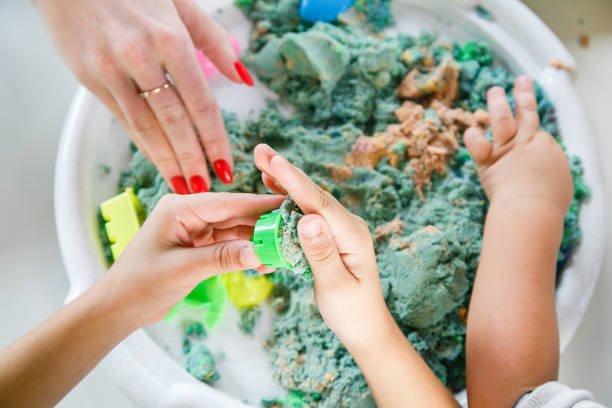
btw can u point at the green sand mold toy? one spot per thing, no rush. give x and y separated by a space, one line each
208 299
268 242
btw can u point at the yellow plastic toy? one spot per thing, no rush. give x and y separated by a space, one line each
121 216
246 291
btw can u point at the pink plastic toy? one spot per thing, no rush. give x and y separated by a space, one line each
208 67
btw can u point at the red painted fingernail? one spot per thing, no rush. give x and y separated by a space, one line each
224 171
198 185
244 73
179 185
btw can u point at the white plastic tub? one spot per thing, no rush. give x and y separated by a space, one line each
145 365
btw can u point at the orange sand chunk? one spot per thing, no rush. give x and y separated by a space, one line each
384 230
442 83
339 172
425 142
366 152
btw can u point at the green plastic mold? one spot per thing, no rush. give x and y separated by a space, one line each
267 241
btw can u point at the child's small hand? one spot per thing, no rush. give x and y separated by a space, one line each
524 165
185 240
339 249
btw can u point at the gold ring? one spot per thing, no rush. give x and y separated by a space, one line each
154 91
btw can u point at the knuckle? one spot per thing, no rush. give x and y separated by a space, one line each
202 107
322 251
103 64
324 200
188 156
172 115
167 38
131 51
142 124
167 203
165 161
527 102
223 256
505 121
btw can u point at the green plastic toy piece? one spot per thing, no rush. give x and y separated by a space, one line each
267 241
121 216
208 300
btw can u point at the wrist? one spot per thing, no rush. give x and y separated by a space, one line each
104 302
381 335
527 206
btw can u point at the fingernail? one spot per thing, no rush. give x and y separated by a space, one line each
179 185
223 170
496 90
523 82
244 73
198 185
248 257
311 228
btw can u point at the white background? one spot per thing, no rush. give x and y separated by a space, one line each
36 89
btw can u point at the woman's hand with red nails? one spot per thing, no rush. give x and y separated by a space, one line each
185 240
118 48
523 163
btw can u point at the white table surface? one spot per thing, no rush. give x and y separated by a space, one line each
36 89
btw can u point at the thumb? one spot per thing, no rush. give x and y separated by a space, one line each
321 251
223 257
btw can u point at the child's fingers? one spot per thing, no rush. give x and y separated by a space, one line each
308 196
526 105
477 144
321 252
502 121
271 184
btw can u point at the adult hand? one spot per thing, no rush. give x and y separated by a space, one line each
120 48
339 249
184 241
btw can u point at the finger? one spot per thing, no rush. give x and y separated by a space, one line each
321 252
233 222
271 184
196 212
264 270
477 144
175 122
107 99
146 132
222 257
502 121
212 235
309 197
210 38
182 65
526 105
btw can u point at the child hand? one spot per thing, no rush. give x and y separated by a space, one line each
524 165
340 252
184 241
